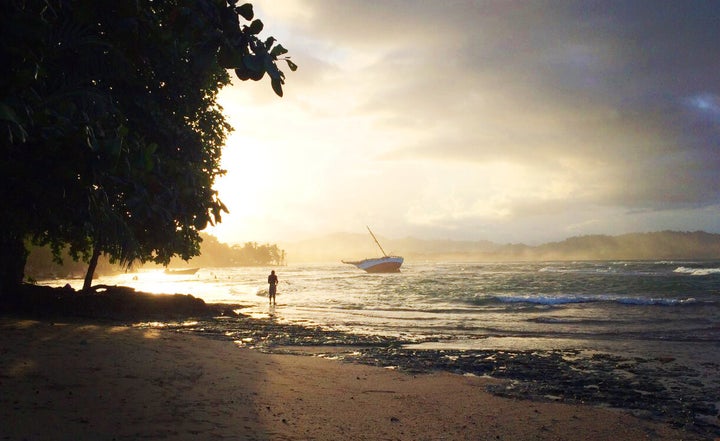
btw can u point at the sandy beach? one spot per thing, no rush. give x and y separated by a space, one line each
96 380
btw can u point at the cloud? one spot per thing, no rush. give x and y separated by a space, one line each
484 113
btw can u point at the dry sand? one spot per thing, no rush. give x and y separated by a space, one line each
80 381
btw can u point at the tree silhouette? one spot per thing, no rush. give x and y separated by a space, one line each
109 127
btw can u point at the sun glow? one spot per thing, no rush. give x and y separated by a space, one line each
486 141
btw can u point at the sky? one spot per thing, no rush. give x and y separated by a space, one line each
509 121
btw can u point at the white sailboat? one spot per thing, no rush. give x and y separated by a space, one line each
384 264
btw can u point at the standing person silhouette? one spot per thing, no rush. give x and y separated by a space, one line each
272 281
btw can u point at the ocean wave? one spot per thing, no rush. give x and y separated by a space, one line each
569 299
546 300
697 271
593 270
652 301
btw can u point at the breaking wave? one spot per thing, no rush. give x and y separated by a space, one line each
568 299
697 271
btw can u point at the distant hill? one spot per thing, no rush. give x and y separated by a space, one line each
666 245
696 245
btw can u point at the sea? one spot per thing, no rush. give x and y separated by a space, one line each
645 307
638 335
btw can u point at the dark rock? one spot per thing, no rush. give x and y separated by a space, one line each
106 302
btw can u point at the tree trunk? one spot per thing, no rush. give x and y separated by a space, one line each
91 269
13 256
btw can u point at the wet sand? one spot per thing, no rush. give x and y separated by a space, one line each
95 380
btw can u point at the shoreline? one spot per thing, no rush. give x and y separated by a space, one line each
93 379
663 387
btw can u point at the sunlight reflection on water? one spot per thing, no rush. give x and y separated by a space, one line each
542 303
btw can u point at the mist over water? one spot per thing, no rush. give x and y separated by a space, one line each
616 306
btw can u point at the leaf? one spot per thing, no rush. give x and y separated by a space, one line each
6 113
278 50
271 68
257 75
229 58
254 63
90 138
243 73
114 147
277 86
269 42
147 159
201 222
246 11
293 67
149 163
256 27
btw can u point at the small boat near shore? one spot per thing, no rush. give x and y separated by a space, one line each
181 272
385 264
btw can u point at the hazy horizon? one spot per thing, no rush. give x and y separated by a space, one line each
514 122
335 247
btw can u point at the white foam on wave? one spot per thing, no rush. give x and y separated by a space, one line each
654 301
568 299
585 270
697 271
546 300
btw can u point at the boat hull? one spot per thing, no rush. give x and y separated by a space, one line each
389 264
181 272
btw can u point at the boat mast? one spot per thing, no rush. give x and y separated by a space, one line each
376 241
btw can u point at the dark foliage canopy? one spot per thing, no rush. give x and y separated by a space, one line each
110 133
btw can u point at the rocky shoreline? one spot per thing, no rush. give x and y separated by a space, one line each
663 389
118 303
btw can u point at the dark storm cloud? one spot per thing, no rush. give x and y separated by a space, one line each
632 87
616 103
